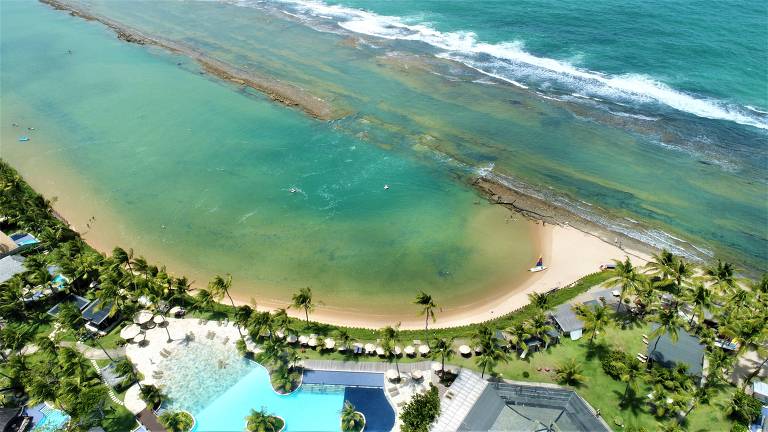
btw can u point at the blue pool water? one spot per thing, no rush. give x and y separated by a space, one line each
379 415
220 388
54 420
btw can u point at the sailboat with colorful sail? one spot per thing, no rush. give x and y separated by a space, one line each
539 266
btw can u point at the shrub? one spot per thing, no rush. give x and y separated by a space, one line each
421 411
526 374
179 421
569 372
613 361
744 408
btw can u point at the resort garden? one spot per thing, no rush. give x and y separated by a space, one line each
44 357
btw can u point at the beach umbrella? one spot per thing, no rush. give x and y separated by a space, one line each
143 317
303 339
416 374
379 351
139 338
130 331
423 349
312 342
436 366
370 348
329 343
158 319
478 349
409 350
397 351
291 338
465 350
392 375
176 310
280 334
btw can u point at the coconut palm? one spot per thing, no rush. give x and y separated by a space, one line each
681 273
261 323
272 351
698 395
242 317
390 335
539 300
669 324
722 275
630 372
700 297
626 275
518 334
663 264
751 334
176 421
442 348
351 420
204 300
125 258
490 352
303 300
151 395
569 372
539 326
343 338
260 421
595 319
428 307
219 287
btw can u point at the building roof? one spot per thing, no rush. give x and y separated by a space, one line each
80 302
523 407
7 244
7 416
760 388
97 312
10 266
566 318
23 239
687 350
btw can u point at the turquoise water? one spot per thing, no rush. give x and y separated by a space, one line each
197 175
54 420
220 388
648 118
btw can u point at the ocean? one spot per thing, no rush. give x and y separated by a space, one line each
648 118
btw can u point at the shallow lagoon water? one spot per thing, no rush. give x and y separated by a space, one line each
149 154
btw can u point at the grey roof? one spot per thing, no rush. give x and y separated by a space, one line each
8 415
687 350
10 266
97 312
521 407
566 318
80 302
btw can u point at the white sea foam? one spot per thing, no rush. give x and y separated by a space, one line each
517 63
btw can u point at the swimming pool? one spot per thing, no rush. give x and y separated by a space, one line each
219 387
53 420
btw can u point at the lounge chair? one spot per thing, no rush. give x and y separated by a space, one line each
393 391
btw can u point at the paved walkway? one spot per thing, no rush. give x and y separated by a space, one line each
112 394
133 402
94 353
459 400
364 366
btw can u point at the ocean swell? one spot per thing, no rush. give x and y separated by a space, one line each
510 62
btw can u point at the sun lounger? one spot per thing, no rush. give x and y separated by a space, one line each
450 394
393 391
225 340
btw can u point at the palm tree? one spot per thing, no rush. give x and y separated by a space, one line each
490 352
682 272
220 286
303 300
539 300
272 351
722 275
669 323
699 395
260 421
176 421
351 420
123 258
538 326
700 298
242 318
151 395
663 264
204 300
569 372
595 319
344 338
721 363
630 372
750 333
390 335
518 334
442 348
428 307
627 276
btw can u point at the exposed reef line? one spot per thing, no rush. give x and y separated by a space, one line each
284 93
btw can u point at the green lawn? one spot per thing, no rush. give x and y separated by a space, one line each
600 390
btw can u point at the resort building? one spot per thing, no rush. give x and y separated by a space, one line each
16 243
11 266
97 317
687 350
80 302
473 404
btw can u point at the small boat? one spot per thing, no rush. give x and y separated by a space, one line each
293 190
386 187
24 139
539 266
